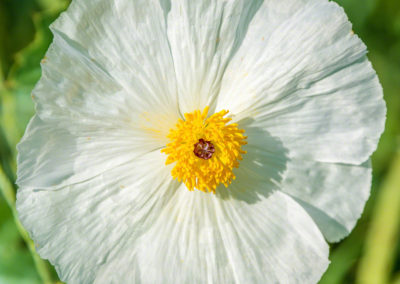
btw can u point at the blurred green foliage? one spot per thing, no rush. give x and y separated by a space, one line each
369 255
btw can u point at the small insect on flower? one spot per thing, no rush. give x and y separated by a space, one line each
229 141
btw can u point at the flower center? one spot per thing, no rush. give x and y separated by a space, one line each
205 150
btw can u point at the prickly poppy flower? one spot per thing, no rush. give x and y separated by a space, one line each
209 141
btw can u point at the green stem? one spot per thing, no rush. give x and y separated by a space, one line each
7 190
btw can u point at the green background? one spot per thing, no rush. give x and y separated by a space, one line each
369 255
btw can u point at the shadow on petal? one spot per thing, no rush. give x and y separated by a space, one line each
261 170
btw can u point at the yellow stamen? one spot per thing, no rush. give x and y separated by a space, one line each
205 173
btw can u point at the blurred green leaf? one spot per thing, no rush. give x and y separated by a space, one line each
16 265
389 74
397 279
17 29
7 190
343 258
385 18
3 51
358 11
377 262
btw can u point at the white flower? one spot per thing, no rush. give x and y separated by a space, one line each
95 193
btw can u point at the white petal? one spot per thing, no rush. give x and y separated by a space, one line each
110 213
333 194
203 36
52 156
110 61
307 81
132 224
201 238
81 228
106 96
262 167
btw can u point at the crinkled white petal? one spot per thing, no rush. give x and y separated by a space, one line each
333 194
50 156
109 64
85 227
108 53
95 194
202 238
204 35
263 166
107 93
308 82
133 224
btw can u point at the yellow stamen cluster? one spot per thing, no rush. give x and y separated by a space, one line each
205 174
